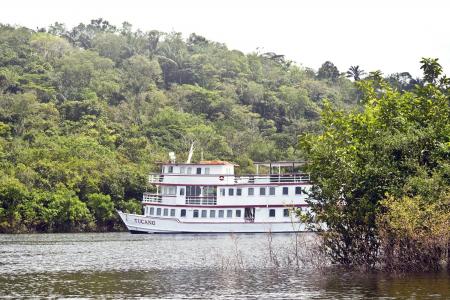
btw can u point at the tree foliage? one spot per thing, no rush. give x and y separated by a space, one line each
85 112
381 174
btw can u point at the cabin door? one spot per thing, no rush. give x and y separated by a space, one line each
249 214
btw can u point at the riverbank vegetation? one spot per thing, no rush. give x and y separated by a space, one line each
86 112
382 175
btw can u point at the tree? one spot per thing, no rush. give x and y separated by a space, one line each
12 194
328 71
112 46
431 68
355 72
66 212
140 73
401 81
101 207
397 146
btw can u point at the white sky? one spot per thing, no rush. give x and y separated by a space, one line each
387 35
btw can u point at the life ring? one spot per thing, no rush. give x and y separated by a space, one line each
221 178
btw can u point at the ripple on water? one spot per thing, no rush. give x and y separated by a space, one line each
186 266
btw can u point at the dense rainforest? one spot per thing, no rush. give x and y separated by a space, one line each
86 112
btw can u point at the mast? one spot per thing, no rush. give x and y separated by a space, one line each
191 151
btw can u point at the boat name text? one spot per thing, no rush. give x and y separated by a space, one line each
142 221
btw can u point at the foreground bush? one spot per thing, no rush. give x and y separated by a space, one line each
414 233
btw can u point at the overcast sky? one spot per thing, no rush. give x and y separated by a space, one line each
387 35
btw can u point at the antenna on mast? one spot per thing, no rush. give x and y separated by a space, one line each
191 151
172 157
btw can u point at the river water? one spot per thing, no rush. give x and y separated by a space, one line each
258 266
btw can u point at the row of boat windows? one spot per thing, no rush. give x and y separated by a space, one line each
188 170
203 213
263 191
212 191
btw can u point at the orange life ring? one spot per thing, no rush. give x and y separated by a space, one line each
221 178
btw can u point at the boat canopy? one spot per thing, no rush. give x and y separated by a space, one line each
277 165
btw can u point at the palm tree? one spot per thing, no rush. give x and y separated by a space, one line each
355 72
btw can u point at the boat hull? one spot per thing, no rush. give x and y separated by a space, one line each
144 224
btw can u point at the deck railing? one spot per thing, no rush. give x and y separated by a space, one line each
155 178
152 198
193 200
233 179
197 200
272 178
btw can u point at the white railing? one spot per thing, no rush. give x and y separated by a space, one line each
232 179
155 178
197 200
152 198
272 178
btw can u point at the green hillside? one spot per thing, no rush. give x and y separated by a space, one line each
86 112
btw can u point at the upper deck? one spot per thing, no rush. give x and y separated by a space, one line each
222 173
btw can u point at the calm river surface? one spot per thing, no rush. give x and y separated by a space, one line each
122 265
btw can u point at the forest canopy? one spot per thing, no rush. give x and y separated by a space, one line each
85 112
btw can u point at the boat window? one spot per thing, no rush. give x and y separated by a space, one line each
183 213
238 213
189 170
251 191
285 212
230 192
285 190
169 190
158 211
172 190
222 192
152 211
182 170
262 191
193 190
271 213
298 190
166 212
170 169
199 170
204 213
209 191
272 190
212 213
221 213
206 170
195 213
229 213
172 212
181 191
238 192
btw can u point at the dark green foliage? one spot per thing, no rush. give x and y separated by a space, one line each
328 71
374 169
355 72
86 112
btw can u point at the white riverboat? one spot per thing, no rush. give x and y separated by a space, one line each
207 197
